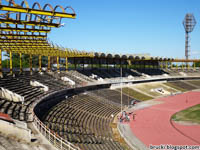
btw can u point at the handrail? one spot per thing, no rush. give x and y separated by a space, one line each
52 137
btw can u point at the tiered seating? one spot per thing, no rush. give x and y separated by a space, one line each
80 76
173 72
112 95
191 72
71 75
84 121
20 84
109 73
152 72
135 94
45 79
183 85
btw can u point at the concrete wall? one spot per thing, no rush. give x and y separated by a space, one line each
38 84
66 79
11 96
20 132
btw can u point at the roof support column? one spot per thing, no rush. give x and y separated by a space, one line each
182 65
20 62
171 65
83 63
11 67
49 63
107 63
30 63
99 63
58 65
176 66
194 65
66 64
161 64
188 65
166 65
91 60
75 63
40 63
0 62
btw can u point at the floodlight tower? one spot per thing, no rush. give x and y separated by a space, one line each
189 23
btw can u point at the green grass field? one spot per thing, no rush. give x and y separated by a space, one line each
191 114
135 94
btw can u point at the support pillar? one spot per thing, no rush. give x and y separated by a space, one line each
171 66
182 65
66 64
30 63
20 62
166 65
58 65
176 66
91 62
40 63
194 65
161 65
188 66
49 63
11 67
83 63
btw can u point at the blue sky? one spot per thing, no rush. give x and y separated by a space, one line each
128 26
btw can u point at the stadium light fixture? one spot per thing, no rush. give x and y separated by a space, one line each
189 23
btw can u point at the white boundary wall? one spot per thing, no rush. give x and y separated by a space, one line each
11 96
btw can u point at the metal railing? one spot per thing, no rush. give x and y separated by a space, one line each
52 137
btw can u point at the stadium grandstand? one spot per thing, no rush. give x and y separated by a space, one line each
59 98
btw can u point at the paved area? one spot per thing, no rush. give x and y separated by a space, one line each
153 125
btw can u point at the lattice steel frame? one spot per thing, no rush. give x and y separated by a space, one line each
26 32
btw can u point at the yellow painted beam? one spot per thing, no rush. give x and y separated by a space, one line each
25 30
194 66
23 40
29 23
11 67
166 64
37 12
23 36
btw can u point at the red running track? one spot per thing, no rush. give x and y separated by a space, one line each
153 125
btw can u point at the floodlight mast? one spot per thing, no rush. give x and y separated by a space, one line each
189 23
